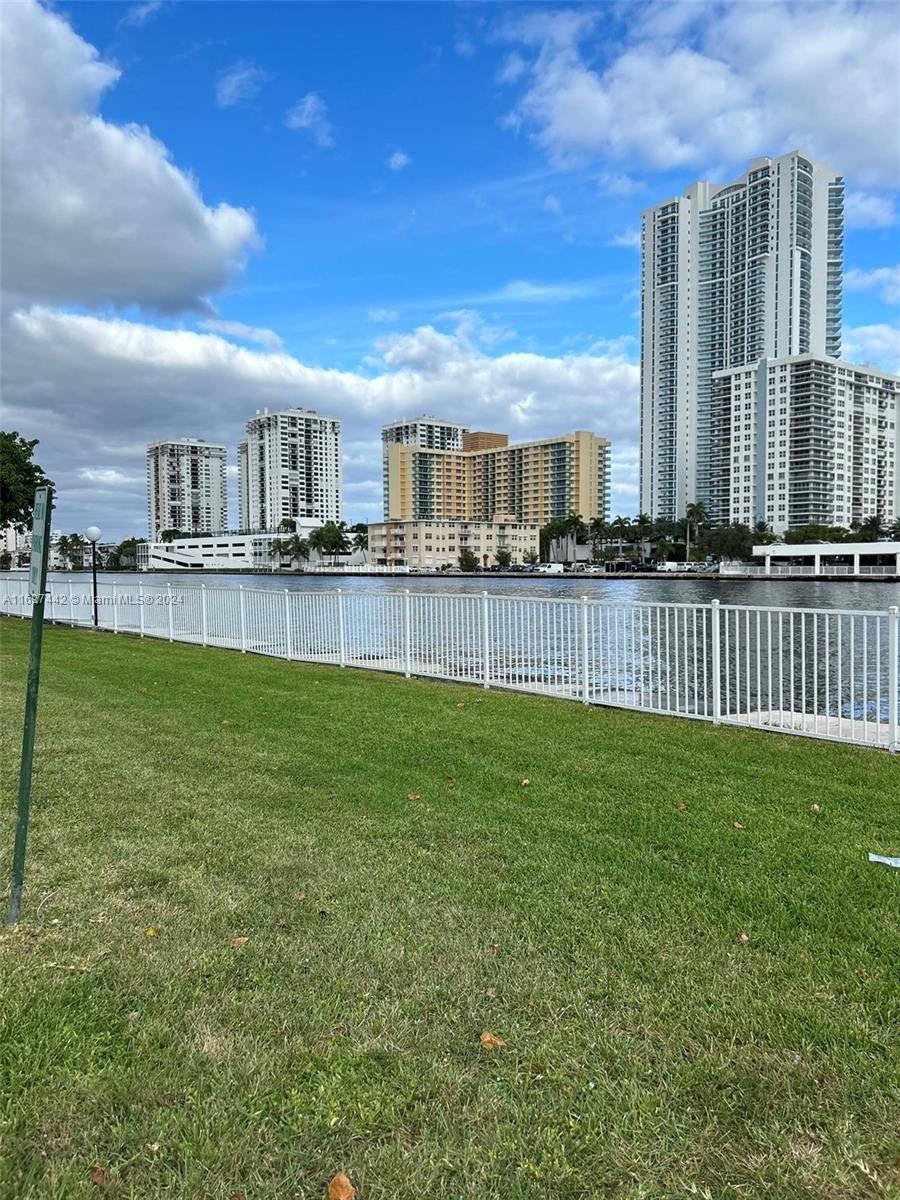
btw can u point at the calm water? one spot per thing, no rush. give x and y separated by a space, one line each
803 593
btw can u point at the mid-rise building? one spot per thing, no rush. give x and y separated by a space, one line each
289 465
186 487
427 432
803 440
435 543
534 481
730 274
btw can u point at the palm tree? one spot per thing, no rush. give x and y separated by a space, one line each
62 547
872 528
621 527
296 548
575 532
643 527
277 550
598 532
361 539
75 550
696 514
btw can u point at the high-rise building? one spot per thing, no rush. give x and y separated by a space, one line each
805 440
729 275
186 488
289 465
427 432
531 482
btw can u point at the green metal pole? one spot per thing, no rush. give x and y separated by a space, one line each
40 548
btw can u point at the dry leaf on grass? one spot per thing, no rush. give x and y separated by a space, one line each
449 780
493 948
490 1041
681 806
226 722
461 704
414 796
743 937
151 932
237 942
737 825
341 1188
299 897
97 1175
815 808
526 783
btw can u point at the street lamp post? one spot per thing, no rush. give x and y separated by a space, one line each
92 533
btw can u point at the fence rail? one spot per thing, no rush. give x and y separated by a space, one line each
817 672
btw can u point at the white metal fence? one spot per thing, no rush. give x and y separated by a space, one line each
820 672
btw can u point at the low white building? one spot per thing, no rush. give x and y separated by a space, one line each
219 551
881 559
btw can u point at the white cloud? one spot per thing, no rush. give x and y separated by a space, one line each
96 213
719 84
514 67
884 281
246 333
311 113
398 160
239 82
552 204
139 14
629 237
526 291
613 183
97 391
383 315
876 344
869 210
111 476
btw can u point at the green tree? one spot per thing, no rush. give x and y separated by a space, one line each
643 528
277 550
815 533
467 560
287 525
598 535
360 537
531 558
329 539
19 477
729 541
297 548
553 531
621 530
763 535
872 529
696 515
5 560
503 557
74 550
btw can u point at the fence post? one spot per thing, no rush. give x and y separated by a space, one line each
893 679
407 635
716 666
115 600
171 614
342 644
585 654
243 619
288 640
203 624
486 638
71 605
141 605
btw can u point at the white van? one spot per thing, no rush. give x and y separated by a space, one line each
550 569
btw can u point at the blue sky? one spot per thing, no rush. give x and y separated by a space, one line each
375 209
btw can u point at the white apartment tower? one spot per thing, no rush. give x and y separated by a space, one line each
186 488
805 440
289 465
729 275
426 432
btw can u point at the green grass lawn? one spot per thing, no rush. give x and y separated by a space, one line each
591 920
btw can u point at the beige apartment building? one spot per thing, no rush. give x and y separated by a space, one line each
434 544
534 481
